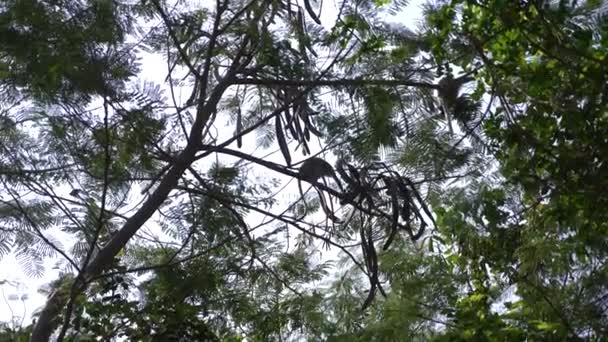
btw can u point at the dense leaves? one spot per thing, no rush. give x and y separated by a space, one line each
544 64
65 49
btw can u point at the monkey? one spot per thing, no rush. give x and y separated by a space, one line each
448 90
315 168
311 171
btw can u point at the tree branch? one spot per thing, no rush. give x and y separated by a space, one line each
345 82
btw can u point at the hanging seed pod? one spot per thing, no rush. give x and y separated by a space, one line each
281 140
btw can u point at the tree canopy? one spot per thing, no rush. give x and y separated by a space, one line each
307 170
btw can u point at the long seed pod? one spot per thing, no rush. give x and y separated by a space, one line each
421 230
342 172
372 289
354 173
239 128
344 175
406 208
423 205
371 254
353 187
303 38
405 196
305 114
328 211
216 74
305 148
364 250
310 125
289 124
312 13
394 194
298 128
301 33
281 140
301 22
409 207
370 298
374 261
367 246
291 95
